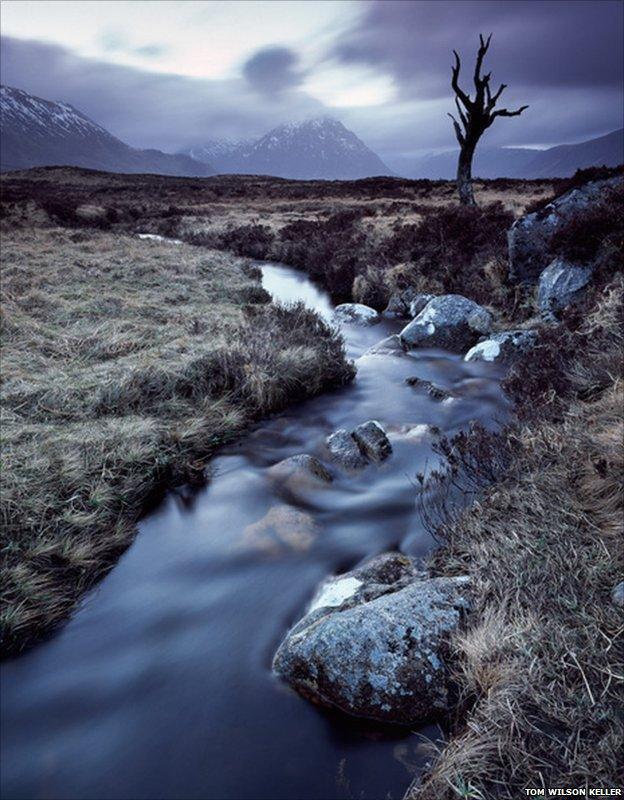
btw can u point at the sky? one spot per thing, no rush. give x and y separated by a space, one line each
177 74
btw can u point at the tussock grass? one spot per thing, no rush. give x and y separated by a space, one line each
125 363
540 669
349 235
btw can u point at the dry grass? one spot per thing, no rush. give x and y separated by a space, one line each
540 669
337 231
125 364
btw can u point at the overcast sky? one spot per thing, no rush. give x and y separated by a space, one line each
176 74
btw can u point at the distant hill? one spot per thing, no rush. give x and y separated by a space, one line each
490 162
36 132
564 160
318 148
517 162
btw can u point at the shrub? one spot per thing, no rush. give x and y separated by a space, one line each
600 227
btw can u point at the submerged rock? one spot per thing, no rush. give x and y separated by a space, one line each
503 347
433 390
529 237
390 346
355 449
300 471
372 642
561 284
282 528
450 321
356 313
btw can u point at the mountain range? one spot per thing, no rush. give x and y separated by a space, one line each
37 132
518 162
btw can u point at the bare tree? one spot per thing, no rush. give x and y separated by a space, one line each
476 116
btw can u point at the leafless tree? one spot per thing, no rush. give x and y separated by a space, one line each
475 115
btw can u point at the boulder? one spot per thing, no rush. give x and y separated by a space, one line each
372 440
529 237
407 303
503 347
399 303
451 322
373 640
300 471
344 450
356 313
561 284
355 449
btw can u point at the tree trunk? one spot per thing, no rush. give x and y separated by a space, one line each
464 174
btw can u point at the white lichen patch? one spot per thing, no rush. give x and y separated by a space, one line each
335 593
484 351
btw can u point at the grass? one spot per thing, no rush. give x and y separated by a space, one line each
539 671
125 365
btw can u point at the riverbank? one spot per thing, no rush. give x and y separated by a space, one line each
539 670
126 364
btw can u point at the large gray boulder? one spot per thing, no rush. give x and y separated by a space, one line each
356 313
373 642
450 321
504 347
561 284
529 237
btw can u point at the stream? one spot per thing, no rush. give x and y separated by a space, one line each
160 684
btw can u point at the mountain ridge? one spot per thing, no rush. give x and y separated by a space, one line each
38 132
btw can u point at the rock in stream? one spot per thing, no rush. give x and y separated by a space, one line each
372 642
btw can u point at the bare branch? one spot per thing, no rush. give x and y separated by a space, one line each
503 112
458 131
461 115
496 95
483 48
455 82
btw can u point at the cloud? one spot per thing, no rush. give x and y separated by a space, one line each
114 41
273 70
535 44
561 58
148 109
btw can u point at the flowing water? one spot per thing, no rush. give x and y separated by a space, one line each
160 685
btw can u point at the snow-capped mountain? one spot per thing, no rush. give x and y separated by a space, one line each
36 132
316 148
